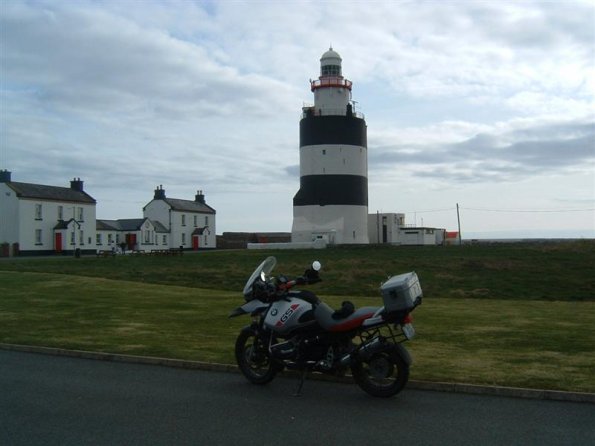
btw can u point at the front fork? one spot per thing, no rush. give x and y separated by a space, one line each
265 337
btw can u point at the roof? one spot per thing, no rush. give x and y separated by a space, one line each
189 206
158 226
331 54
128 224
201 231
131 224
107 225
64 224
53 193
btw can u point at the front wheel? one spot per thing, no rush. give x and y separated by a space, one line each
253 357
384 374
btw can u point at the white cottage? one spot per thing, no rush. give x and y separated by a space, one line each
191 223
37 219
131 234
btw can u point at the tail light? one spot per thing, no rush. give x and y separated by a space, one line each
408 319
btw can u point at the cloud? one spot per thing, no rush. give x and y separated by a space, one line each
474 50
502 154
89 61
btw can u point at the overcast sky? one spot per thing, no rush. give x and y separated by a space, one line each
489 104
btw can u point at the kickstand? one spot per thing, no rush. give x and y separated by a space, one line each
298 390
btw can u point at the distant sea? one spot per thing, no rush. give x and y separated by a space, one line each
528 235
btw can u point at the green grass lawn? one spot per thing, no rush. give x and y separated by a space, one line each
539 271
526 343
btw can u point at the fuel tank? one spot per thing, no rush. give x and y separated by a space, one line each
288 314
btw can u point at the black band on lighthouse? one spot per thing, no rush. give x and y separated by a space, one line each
333 130
324 190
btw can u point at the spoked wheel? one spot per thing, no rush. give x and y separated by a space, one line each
253 358
384 374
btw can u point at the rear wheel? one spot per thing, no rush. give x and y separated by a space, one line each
384 374
253 357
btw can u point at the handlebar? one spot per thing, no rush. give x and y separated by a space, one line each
310 277
270 288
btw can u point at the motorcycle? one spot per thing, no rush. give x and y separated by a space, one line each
295 330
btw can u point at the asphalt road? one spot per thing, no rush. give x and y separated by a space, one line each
50 400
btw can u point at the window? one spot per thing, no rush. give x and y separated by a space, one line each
81 215
117 238
206 220
147 237
38 237
331 70
60 212
183 220
81 238
38 212
195 221
183 239
110 238
98 238
164 242
206 241
72 238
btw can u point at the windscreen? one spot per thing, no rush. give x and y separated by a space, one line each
265 267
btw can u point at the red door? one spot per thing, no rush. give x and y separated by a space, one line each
195 242
131 241
58 242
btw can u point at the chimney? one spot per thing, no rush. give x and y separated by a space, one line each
199 197
5 176
76 184
159 193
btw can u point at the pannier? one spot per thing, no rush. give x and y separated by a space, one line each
402 292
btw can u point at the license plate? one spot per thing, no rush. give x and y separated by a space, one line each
408 330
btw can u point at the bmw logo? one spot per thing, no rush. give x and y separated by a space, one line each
274 312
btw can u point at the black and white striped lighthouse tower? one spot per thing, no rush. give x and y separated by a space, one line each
332 203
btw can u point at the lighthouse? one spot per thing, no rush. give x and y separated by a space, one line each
332 202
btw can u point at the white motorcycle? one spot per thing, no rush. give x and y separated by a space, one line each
295 330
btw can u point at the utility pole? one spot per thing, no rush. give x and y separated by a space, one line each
459 221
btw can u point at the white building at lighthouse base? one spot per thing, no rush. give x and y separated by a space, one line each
334 224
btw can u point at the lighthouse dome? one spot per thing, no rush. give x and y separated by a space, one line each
330 63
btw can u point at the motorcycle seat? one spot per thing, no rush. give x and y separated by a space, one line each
324 316
347 309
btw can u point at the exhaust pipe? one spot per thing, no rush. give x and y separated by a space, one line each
365 351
